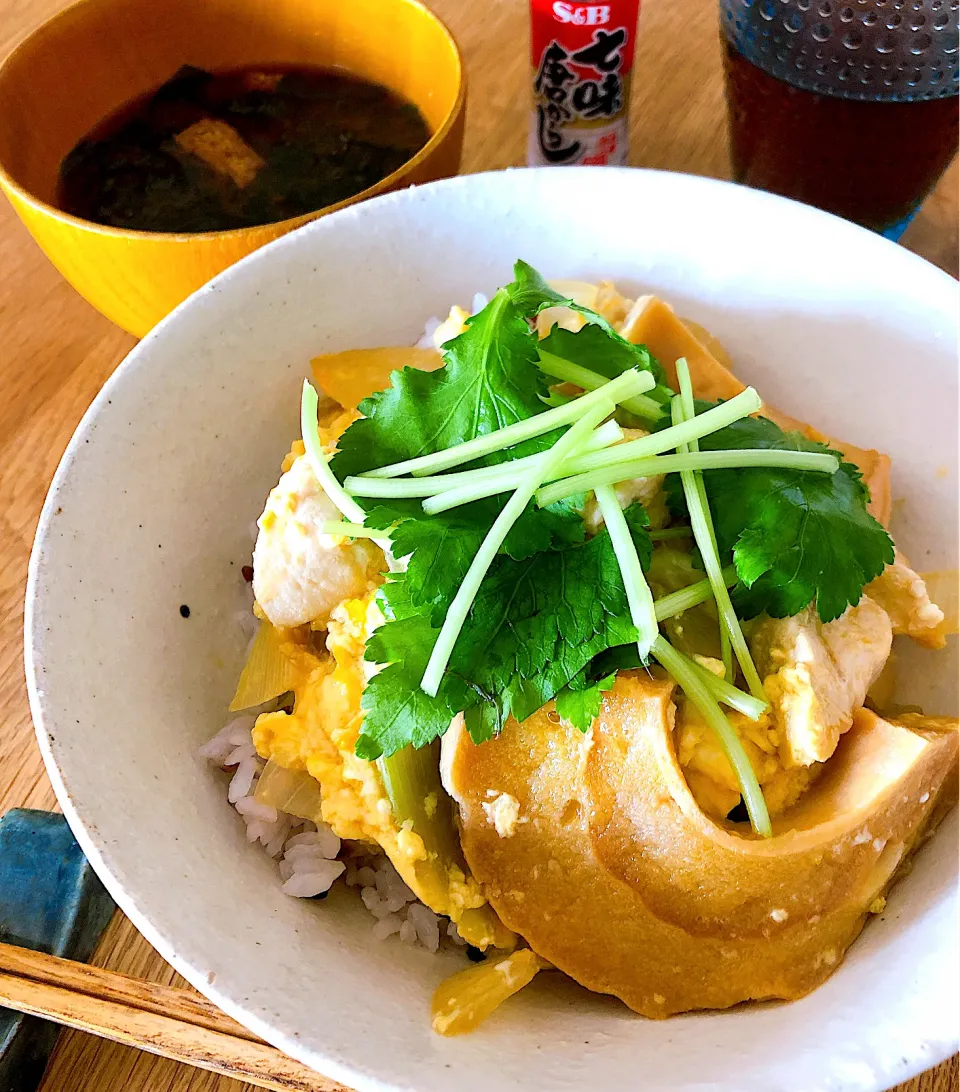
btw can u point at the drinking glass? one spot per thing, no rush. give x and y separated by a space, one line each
850 105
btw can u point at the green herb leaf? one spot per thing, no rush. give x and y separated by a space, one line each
580 704
533 627
593 347
795 536
489 380
530 292
397 711
566 608
597 346
441 548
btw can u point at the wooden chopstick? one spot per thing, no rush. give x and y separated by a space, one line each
174 1023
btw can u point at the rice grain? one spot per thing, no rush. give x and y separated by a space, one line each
306 885
242 780
387 927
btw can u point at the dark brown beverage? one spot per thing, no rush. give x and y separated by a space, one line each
872 162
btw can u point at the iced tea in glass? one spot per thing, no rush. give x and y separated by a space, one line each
850 106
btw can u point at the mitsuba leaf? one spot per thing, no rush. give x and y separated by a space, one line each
530 292
593 347
396 711
579 701
596 346
489 380
534 626
796 537
440 548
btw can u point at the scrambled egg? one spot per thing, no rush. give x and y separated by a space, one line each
817 675
452 326
711 777
320 734
306 581
504 814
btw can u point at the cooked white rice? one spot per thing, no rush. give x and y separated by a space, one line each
310 857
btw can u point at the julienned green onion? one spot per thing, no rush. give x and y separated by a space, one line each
608 433
728 694
555 398
726 652
686 461
742 405
309 430
453 498
698 691
642 611
545 464
667 606
409 776
351 530
682 409
624 386
558 368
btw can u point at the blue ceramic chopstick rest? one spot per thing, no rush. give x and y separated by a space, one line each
52 901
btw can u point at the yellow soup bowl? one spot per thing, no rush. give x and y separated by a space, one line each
97 55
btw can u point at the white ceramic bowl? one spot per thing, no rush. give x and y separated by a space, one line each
151 508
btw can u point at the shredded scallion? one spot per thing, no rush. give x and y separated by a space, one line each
351 530
726 652
624 386
309 430
686 461
699 692
558 368
728 694
608 433
642 611
547 461
700 520
738 407
555 398
668 606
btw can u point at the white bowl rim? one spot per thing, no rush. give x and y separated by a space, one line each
926 1054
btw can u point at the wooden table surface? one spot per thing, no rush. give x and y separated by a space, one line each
56 351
